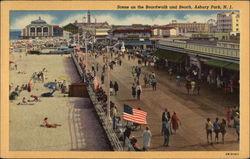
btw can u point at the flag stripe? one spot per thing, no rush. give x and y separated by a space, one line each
132 117
135 121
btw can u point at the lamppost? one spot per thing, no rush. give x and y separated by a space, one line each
86 41
108 79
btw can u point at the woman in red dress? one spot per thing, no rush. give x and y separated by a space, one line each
175 119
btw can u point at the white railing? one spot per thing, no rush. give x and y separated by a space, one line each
203 49
106 123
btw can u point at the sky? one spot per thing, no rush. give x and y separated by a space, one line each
19 19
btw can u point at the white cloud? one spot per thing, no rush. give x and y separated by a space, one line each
199 18
20 23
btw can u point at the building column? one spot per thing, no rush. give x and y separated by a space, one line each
42 30
35 31
199 66
28 31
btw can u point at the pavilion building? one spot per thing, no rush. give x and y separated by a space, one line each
37 29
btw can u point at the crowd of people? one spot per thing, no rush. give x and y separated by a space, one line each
219 127
170 123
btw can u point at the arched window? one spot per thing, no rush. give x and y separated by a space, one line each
45 29
32 29
39 29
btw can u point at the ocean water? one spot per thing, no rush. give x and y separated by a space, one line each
14 34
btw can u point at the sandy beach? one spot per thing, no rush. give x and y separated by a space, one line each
80 128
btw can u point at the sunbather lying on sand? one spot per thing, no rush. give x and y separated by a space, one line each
21 72
25 102
50 125
34 99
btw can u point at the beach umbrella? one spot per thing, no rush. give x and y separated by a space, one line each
50 85
63 78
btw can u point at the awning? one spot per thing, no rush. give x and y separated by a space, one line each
233 66
137 43
223 64
216 63
170 55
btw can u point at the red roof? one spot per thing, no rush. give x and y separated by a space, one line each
56 26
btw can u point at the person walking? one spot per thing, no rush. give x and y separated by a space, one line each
93 67
154 83
175 122
145 80
146 136
237 126
229 116
138 91
178 80
29 86
97 67
188 86
209 129
170 72
116 87
102 77
165 117
193 86
166 133
103 68
216 130
42 77
133 90
15 66
198 86
223 129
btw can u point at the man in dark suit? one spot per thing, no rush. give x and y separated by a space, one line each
165 118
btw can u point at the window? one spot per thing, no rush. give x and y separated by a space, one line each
32 29
45 29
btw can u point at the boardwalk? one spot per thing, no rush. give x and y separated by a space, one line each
192 110
80 130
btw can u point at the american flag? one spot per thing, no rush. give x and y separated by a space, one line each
134 115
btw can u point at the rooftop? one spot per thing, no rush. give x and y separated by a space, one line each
38 21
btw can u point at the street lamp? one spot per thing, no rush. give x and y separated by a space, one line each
108 79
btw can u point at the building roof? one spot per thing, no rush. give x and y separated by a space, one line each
131 30
163 27
38 21
91 24
130 26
